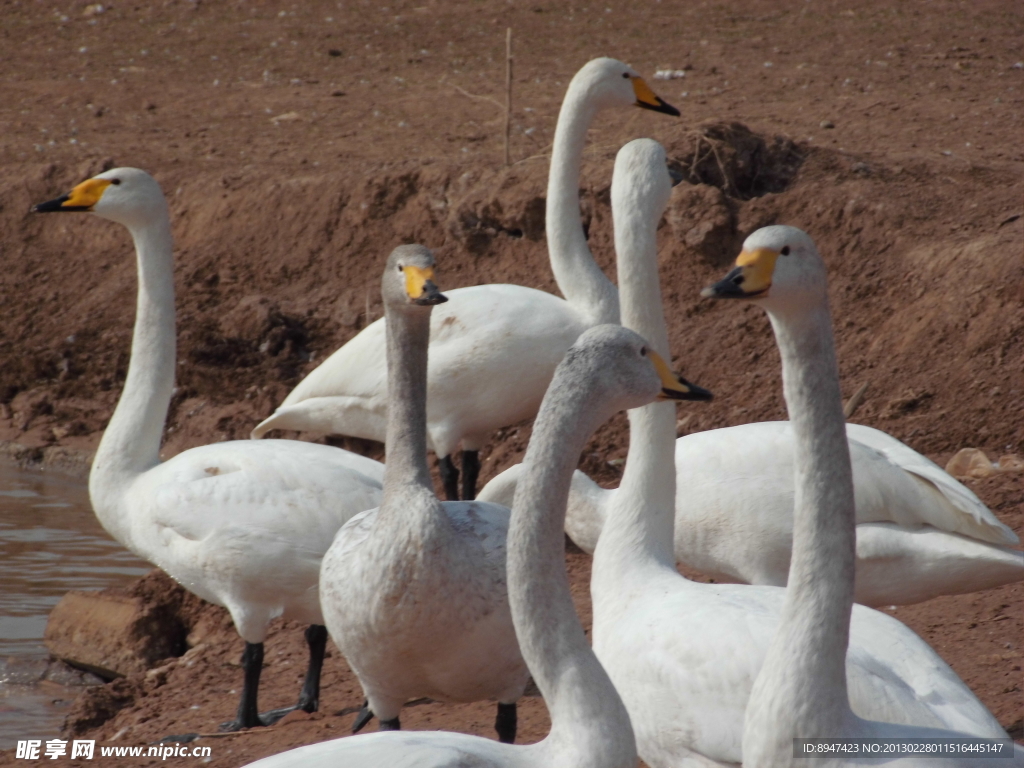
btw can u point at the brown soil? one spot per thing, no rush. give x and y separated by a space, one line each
297 144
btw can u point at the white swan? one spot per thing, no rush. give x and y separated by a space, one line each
414 591
683 655
801 690
493 348
607 369
241 524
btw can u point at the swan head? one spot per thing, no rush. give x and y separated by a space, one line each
628 372
409 278
640 181
128 196
778 267
610 83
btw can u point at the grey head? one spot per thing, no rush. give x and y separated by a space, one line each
621 365
408 279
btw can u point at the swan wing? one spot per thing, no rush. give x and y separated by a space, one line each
211 509
896 677
956 509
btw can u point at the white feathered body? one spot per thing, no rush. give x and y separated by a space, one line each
425 614
705 643
493 350
242 524
920 533
406 749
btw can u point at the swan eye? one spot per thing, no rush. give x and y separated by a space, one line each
643 351
625 75
785 250
401 268
115 181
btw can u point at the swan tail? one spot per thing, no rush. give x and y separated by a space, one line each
351 416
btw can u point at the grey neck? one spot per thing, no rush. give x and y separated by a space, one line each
583 703
806 662
579 278
408 337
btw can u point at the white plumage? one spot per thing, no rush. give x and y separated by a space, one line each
683 655
241 524
806 684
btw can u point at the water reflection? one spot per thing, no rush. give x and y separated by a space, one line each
50 542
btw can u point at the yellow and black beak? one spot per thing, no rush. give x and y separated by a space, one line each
419 285
81 198
648 99
674 387
749 279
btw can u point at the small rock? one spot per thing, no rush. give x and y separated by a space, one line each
1011 462
971 462
826 124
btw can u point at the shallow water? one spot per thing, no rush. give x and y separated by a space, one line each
50 542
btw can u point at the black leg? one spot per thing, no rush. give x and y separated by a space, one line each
470 472
316 639
309 697
365 715
248 714
505 723
450 477
390 725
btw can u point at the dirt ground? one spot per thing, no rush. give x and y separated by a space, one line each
298 143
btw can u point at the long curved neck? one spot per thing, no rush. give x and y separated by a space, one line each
802 685
579 278
405 444
640 526
131 442
586 711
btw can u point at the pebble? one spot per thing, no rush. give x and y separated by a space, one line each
826 124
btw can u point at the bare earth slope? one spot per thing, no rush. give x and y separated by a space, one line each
298 143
